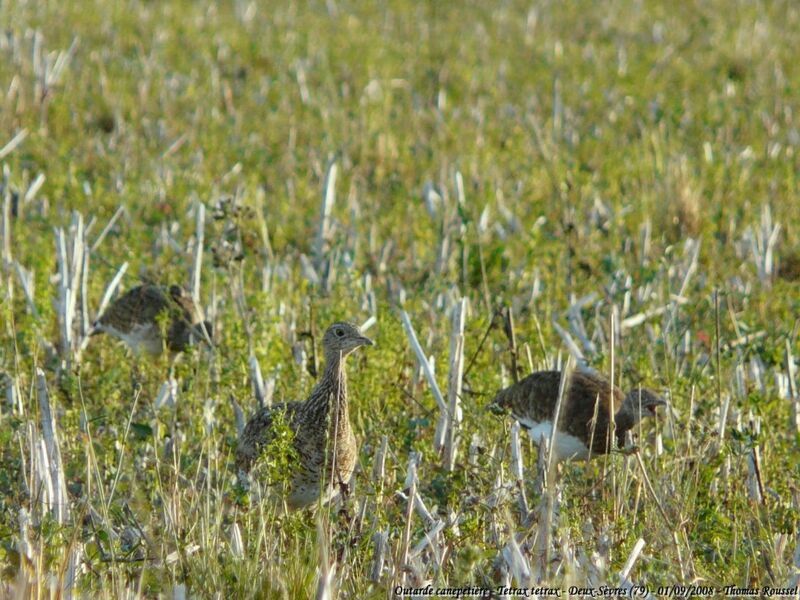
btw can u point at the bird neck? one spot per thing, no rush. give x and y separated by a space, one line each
330 393
623 422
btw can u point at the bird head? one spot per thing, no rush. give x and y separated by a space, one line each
496 408
642 402
176 292
342 338
499 404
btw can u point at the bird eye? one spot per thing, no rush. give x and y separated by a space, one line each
339 332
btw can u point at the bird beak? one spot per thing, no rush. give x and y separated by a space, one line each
495 409
365 341
656 404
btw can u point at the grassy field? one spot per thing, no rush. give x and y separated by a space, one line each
622 175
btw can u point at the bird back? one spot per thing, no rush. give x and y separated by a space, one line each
587 396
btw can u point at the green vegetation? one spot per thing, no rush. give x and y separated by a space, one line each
519 154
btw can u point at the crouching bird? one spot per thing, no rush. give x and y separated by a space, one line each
135 318
588 403
325 446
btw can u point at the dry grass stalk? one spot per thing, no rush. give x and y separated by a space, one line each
236 544
517 467
322 243
111 222
309 272
574 351
576 325
639 318
432 198
104 302
48 71
49 471
455 382
566 373
34 188
549 505
72 262
379 462
238 415
422 360
381 541
755 483
326 569
794 393
645 233
13 143
13 396
691 252
669 523
508 323
411 486
24 582
167 394
197 263
5 222
26 281
257 381
518 565
55 469
624 575
762 241
794 580
429 539
85 325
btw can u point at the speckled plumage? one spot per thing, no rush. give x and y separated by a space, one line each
532 401
134 318
323 438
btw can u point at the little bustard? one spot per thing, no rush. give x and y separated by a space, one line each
586 408
134 318
323 439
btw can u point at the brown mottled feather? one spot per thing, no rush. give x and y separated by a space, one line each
135 314
323 438
535 398
259 432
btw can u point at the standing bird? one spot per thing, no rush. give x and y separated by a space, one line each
323 439
135 319
588 402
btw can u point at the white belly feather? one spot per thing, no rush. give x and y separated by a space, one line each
140 338
566 446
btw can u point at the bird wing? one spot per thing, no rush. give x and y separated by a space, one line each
590 398
139 305
260 430
533 397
